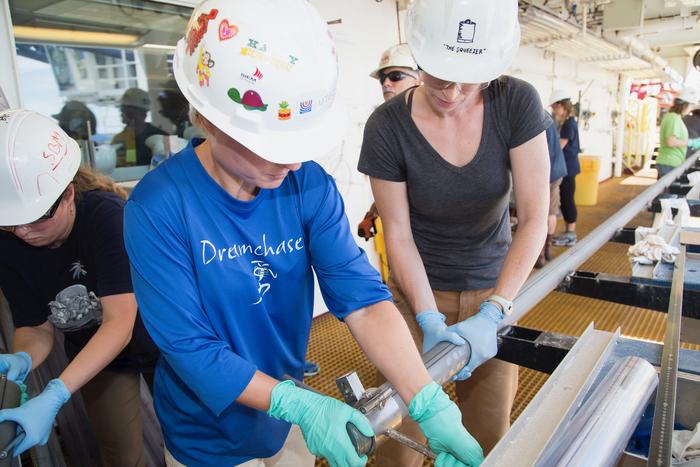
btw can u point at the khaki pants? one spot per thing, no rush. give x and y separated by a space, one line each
485 399
113 404
294 453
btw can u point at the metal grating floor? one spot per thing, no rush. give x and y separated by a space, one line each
332 346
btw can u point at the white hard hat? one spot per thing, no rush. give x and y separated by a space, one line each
688 95
464 41
38 161
559 95
135 97
264 72
397 55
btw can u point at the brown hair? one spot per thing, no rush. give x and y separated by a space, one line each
87 179
679 107
568 106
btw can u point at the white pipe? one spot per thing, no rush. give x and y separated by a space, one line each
8 58
619 41
641 50
661 25
598 432
548 278
626 83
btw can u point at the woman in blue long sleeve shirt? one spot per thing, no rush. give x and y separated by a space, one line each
225 237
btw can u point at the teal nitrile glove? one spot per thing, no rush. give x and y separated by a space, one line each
435 330
37 415
441 422
15 365
694 143
322 420
480 331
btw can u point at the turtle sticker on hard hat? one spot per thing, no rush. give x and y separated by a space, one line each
251 100
198 29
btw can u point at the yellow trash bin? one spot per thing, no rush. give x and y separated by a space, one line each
587 181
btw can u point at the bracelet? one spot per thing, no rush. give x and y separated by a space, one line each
506 305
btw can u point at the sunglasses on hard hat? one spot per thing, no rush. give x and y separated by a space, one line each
394 76
48 215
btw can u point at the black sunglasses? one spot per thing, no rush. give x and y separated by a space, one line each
47 215
394 76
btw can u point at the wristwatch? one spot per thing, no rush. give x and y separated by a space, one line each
506 305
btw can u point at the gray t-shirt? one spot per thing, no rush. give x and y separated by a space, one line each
459 215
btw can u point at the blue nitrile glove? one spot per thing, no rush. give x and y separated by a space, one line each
480 331
322 420
441 422
694 143
37 415
435 330
15 365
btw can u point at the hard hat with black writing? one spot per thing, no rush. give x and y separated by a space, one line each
688 95
37 162
463 41
396 56
264 72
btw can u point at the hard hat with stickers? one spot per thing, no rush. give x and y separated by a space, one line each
464 41
37 163
264 72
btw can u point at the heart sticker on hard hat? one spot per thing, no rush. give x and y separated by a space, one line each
226 30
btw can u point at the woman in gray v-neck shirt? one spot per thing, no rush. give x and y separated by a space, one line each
442 159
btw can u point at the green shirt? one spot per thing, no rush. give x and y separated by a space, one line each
671 125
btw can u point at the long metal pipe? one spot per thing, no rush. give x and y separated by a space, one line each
386 409
598 432
548 278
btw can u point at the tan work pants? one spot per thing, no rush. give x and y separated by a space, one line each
294 453
485 399
113 404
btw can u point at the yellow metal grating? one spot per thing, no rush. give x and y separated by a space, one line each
333 347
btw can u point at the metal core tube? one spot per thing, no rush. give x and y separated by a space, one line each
598 432
442 361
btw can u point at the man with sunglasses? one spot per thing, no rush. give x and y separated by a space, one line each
397 71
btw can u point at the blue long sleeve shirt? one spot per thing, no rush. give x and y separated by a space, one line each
225 288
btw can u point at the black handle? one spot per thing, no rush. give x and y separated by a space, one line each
364 445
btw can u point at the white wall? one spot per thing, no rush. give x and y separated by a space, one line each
8 77
547 72
367 28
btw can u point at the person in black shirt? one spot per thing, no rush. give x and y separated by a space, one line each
63 266
134 150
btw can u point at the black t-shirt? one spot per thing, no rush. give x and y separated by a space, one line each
459 215
69 280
